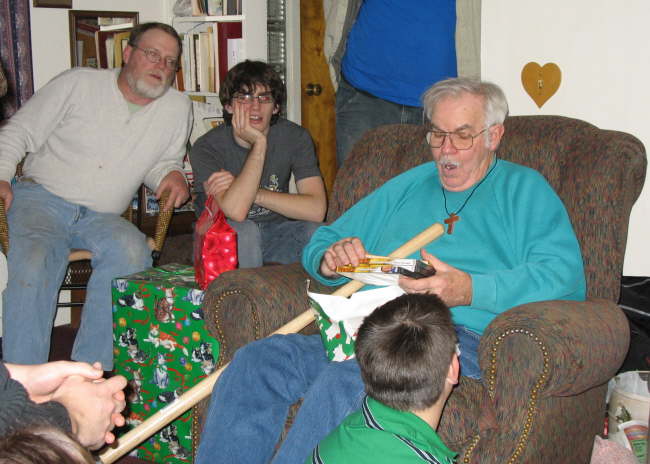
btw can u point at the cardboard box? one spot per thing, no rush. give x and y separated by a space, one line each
162 347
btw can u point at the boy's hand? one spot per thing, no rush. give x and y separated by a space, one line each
242 125
218 182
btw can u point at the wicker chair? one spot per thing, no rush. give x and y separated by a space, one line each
545 365
79 267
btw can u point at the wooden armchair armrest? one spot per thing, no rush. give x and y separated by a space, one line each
162 225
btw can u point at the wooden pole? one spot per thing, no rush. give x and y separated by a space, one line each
202 390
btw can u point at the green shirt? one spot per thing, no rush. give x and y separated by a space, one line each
379 434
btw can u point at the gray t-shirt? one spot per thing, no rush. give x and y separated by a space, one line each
289 150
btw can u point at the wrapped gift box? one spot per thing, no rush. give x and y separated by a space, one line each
162 347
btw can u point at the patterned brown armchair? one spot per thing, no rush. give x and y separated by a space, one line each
545 365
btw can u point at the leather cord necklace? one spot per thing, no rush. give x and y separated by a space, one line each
454 216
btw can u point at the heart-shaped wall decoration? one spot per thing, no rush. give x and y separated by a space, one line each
541 82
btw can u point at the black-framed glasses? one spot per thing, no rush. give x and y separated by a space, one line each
155 57
460 140
248 98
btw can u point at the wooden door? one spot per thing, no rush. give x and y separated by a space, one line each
317 92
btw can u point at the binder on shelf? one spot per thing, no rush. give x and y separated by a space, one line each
185 59
212 75
109 45
204 60
180 81
214 7
120 41
103 41
197 8
193 44
232 7
225 33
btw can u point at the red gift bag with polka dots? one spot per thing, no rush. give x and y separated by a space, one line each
215 244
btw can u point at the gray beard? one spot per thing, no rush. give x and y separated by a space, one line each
145 90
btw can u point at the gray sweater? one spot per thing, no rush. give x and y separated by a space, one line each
18 411
87 147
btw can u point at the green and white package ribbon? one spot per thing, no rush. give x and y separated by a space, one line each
339 318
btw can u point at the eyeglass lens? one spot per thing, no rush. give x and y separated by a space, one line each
460 141
437 140
248 98
154 57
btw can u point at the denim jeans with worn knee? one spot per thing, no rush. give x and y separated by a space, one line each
271 241
358 111
250 401
43 228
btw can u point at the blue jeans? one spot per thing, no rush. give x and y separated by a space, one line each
43 228
271 242
358 112
250 401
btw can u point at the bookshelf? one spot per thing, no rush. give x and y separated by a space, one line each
232 38
264 24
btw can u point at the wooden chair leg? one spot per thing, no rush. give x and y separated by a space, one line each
75 311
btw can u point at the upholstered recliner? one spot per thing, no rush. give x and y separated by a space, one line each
545 365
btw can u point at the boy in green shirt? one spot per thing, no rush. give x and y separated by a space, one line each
408 358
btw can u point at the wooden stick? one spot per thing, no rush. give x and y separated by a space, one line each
202 390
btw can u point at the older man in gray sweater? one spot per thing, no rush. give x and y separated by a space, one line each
92 136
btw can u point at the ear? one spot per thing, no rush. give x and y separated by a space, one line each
228 108
126 54
495 133
454 370
276 109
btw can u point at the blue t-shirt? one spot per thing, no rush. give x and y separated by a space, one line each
397 49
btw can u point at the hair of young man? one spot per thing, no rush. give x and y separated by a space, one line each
42 445
404 350
495 102
244 77
140 29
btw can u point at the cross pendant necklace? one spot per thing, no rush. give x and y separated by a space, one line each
454 216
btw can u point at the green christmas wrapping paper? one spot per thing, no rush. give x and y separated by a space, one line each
338 318
162 347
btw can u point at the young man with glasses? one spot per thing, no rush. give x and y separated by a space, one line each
93 137
246 165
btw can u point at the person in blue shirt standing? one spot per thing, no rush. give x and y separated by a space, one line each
388 54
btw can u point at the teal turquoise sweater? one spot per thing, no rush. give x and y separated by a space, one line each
514 237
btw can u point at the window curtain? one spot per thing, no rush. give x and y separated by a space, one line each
15 55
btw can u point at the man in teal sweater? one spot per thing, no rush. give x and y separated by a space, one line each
509 241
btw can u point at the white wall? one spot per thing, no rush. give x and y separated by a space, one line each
50 36
601 48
